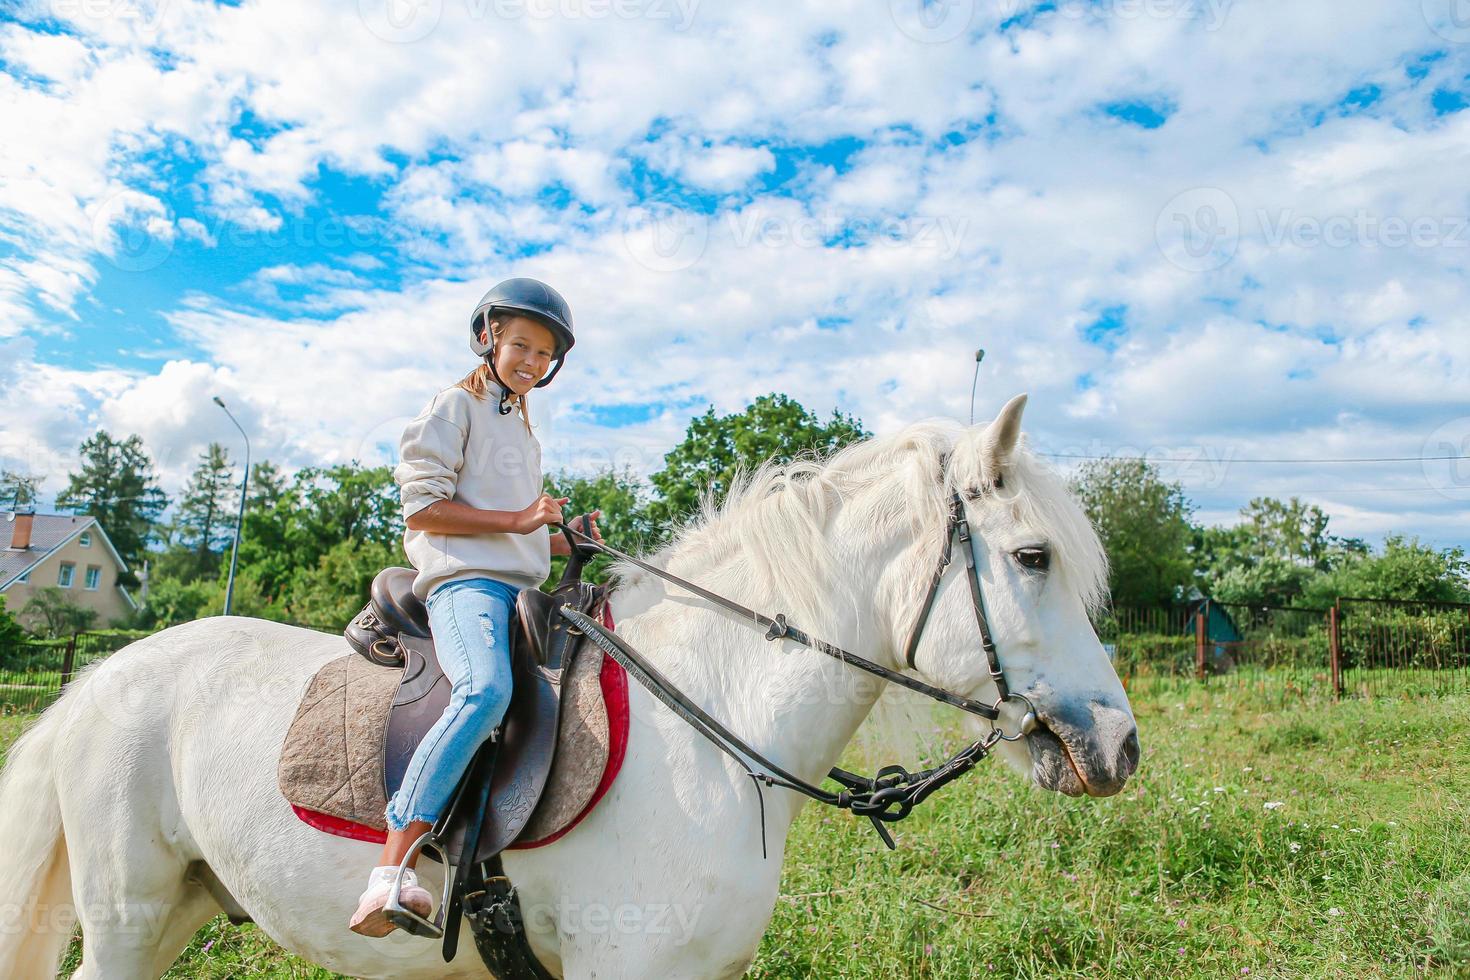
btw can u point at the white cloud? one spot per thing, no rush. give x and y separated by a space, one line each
990 204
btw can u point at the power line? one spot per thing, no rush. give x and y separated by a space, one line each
1233 459
1230 490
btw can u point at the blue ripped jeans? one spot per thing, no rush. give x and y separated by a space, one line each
471 622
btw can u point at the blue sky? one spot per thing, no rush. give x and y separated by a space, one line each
1210 232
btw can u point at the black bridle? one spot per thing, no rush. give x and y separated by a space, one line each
893 792
959 530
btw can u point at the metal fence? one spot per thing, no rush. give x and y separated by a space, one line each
1386 647
1152 649
33 671
1358 647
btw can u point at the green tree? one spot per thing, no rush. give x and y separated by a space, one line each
1404 569
716 447
287 530
1144 526
267 485
624 521
207 507
1271 581
172 555
1293 531
334 590
1271 555
348 501
269 509
51 612
11 631
177 599
17 490
116 485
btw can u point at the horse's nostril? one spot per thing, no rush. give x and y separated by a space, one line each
1130 750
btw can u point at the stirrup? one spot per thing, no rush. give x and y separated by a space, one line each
407 919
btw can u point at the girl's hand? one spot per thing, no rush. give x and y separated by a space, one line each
544 511
559 544
591 531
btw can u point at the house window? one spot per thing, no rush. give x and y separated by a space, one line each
94 576
85 540
63 577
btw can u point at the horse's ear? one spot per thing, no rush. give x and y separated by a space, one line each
1000 439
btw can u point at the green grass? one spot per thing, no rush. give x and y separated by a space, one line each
1360 871
1363 870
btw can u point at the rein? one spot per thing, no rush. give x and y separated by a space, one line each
890 794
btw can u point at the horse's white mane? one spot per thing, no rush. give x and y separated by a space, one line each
774 517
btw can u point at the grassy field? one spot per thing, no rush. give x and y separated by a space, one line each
1258 839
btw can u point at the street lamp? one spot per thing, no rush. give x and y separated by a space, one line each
979 356
244 486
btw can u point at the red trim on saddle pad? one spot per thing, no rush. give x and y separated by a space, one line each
615 695
614 681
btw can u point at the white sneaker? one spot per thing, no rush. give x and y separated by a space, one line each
370 920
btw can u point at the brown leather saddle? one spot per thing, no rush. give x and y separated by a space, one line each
498 794
393 630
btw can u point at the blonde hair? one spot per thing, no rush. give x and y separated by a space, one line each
478 381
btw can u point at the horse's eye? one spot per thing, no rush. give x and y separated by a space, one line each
1034 558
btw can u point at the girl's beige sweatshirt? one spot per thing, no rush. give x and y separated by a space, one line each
461 448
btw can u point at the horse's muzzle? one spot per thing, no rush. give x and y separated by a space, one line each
1084 748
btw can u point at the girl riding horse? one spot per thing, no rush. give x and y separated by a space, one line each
471 487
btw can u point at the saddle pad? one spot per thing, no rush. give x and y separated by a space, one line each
331 767
332 760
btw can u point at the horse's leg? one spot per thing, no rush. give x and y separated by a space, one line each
136 910
145 941
126 842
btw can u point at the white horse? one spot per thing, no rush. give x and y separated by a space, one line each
165 753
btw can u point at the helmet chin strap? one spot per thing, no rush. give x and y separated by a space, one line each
504 406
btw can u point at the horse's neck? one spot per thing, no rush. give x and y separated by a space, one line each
797 706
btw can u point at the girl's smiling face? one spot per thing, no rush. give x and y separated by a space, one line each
524 350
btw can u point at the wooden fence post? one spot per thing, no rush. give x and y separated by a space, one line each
1201 635
69 660
1334 648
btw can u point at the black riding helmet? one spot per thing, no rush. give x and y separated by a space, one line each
525 297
